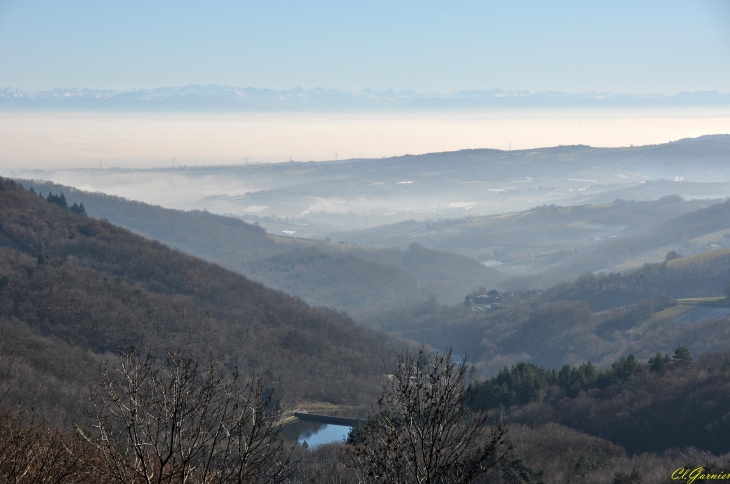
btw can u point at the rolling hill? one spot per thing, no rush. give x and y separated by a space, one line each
548 244
74 288
338 275
597 318
317 199
538 238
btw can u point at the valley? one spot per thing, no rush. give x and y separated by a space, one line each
574 303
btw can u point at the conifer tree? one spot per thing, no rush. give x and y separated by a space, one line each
660 364
59 200
77 209
682 357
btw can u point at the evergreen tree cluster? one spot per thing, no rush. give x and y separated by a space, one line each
526 382
77 209
61 201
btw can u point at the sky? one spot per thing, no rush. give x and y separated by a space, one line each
663 46
651 46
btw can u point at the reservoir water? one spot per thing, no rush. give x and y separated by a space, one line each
315 434
326 435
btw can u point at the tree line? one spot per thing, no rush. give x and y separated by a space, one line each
525 383
667 402
177 420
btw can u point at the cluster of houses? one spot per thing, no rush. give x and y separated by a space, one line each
484 302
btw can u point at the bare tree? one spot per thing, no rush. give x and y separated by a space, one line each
424 431
32 452
171 421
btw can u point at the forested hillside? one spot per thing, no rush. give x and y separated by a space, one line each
654 405
338 275
546 244
699 275
74 288
677 233
541 229
597 318
364 281
80 287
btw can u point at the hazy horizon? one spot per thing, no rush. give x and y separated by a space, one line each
41 140
441 78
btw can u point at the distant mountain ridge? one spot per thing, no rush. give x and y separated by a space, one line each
227 98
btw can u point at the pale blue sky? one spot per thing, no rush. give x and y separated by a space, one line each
620 46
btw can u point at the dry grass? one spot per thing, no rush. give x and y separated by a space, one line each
709 238
702 258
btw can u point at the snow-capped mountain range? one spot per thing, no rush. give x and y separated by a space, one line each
225 98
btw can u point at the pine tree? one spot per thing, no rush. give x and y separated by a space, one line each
77 209
59 200
682 357
660 364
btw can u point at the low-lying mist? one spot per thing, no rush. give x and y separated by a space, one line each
325 199
59 140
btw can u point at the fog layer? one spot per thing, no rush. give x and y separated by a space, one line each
80 140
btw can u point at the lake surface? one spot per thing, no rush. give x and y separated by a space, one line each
326 435
315 433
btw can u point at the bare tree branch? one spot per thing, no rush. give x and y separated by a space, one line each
424 431
176 422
